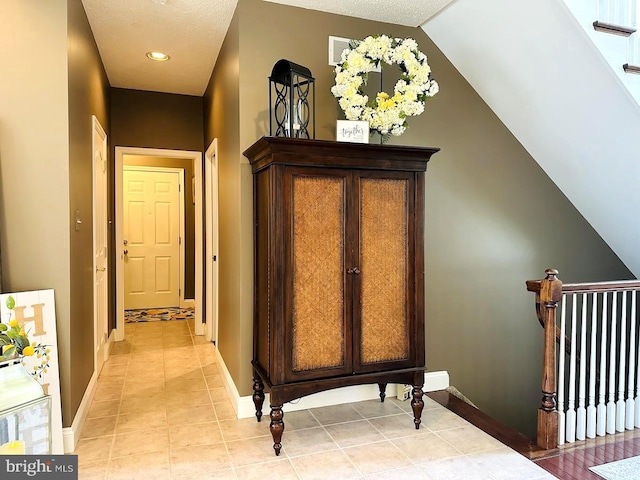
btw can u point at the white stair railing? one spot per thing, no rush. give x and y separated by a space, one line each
596 344
601 328
617 12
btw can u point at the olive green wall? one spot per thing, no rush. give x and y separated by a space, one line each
156 120
88 95
221 121
50 85
493 218
167 121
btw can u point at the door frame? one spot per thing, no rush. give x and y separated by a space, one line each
101 346
212 236
196 157
181 220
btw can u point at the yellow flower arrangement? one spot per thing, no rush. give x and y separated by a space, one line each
13 339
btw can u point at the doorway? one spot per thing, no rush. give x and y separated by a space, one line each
154 237
144 157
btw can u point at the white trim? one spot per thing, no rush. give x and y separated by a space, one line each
71 435
198 256
245 408
229 384
112 338
196 157
189 303
434 381
212 276
99 133
118 246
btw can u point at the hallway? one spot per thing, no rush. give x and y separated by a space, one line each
161 412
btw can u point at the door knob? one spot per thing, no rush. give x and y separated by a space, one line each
126 252
126 242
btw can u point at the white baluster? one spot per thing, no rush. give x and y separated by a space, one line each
620 405
571 400
561 362
630 417
601 411
637 396
581 422
591 408
611 405
603 10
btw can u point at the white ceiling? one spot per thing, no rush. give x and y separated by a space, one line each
191 32
411 13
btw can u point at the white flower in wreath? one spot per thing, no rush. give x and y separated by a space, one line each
386 114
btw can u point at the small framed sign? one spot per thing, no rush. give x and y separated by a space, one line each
352 131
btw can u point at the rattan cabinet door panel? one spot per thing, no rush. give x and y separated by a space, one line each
383 265
318 308
383 311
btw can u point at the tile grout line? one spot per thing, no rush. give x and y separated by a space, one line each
224 440
324 427
115 427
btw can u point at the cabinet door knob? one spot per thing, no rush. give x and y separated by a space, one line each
354 270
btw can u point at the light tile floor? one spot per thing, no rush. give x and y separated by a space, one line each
161 412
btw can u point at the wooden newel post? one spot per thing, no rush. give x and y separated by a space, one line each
550 295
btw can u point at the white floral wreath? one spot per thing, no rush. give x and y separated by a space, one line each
386 115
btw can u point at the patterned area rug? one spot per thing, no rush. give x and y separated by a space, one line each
627 469
157 314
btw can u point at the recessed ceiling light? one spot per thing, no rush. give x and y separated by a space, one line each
158 56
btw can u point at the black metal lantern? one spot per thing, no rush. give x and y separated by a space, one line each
292 101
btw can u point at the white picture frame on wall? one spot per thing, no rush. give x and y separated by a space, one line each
35 312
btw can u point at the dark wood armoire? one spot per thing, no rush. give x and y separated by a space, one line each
339 269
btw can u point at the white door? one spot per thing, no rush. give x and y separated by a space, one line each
100 238
211 250
152 236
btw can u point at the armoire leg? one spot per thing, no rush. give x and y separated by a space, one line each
276 427
383 391
417 404
258 396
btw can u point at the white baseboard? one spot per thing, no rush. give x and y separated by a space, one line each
188 303
229 384
70 435
245 408
110 341
434 381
